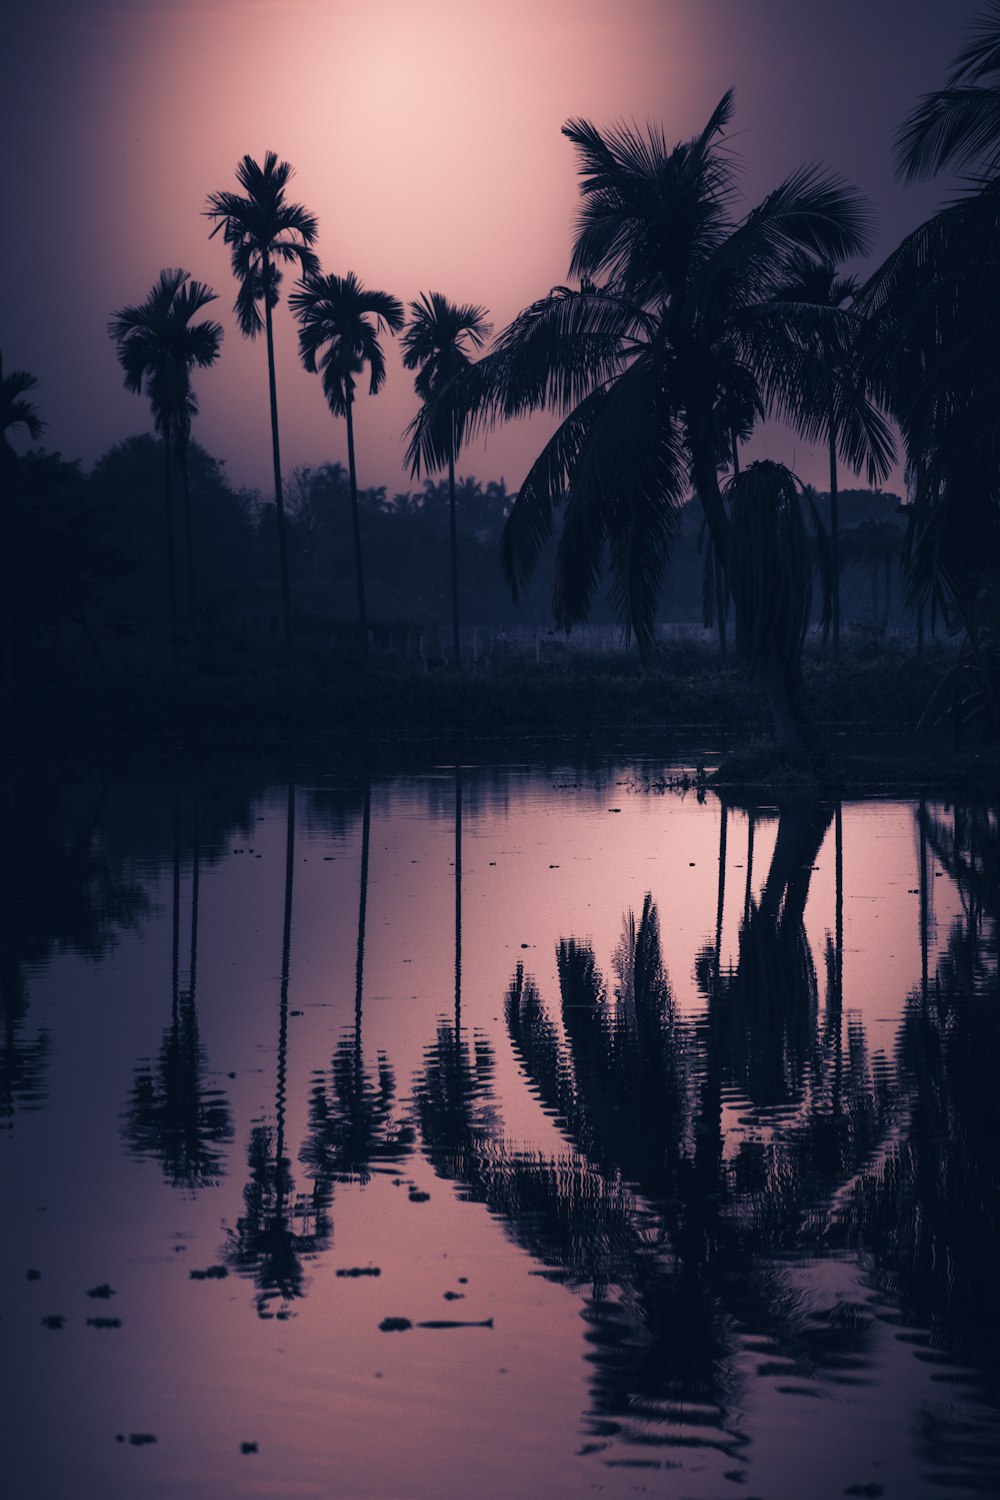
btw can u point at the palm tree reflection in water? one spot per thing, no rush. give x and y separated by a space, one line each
648 1210
171 1116
353 1125
278 1227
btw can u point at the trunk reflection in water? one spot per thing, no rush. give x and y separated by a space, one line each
697 1121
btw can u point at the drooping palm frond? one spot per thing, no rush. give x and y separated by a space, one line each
621 476
958 125
769 570
556 352
933 311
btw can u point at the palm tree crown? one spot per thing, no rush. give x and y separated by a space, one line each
15 411
684 339
159 346
262 229
439 341
336 316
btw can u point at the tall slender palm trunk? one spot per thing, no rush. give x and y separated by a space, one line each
7 505
458 896
359 569
456 646
834 540
168 495
279 499
188 538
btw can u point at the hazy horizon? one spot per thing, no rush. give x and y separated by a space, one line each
426 136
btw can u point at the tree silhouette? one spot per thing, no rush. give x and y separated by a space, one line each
437 343
158 347
931 309
352 1121
650 366
60 890
277 1227
335 314
263 230
769 573
16 413
171 1117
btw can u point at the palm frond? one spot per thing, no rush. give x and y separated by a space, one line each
15 411
954 127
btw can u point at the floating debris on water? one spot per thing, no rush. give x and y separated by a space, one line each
104 1322
140 1439
34 1275
54 1320
210 1273
101 1291
453 1296
451 1323
394 1325
248 1447
359 1271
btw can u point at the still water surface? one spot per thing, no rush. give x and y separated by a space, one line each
507 1131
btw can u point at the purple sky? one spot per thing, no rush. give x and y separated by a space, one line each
425 135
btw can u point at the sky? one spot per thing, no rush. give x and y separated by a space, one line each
426 137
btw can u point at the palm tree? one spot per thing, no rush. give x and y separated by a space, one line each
262 229
649 366
817 282
932 308
437 344
158 347
336 313
15 413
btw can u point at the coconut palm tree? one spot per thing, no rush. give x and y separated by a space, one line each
438 342
343 319
263 230
932 308
649 365
158 347
15 413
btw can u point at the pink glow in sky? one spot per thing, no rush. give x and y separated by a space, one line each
425 135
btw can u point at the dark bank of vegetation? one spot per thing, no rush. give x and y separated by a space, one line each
208 615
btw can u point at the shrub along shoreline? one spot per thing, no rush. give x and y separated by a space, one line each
256 708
